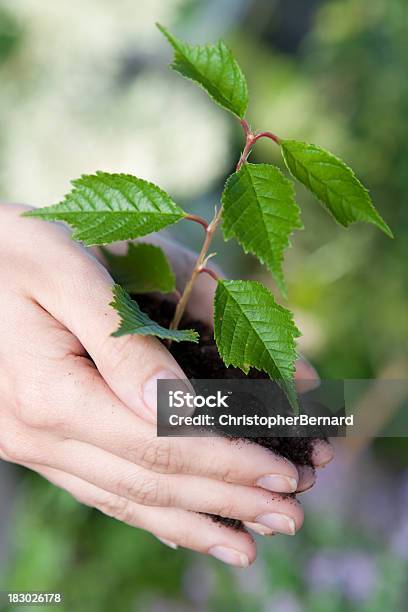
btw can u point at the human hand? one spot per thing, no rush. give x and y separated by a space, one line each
78 407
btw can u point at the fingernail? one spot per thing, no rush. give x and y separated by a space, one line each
260 529
150 390
168 543
230 556
278 484
307 478
278 522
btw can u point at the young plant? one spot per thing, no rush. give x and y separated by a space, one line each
258 209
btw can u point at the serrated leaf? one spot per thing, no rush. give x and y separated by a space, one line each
252 330
332 182
260 211
104 208
143 269
214 68
134 321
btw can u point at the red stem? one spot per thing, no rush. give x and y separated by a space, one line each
197 219
213 274
245 127
267 135
200 263
245 152
250 140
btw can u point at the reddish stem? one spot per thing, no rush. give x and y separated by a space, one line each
266 135
248 143
245 153
245 127
197 219
200 263
213 274
250 140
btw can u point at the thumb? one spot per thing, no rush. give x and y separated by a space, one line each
130 365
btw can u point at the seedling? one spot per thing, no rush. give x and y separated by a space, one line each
258 209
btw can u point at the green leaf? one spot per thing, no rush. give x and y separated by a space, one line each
259 210
134 321
145 268
214 68
104 208
332 182
252 330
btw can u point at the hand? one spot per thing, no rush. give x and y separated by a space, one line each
77 406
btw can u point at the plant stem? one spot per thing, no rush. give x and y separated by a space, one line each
266 135
199 266
197 219
210 228
210 272
249 141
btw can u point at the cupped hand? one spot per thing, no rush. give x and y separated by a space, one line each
79 407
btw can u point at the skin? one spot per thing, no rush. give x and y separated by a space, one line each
76 404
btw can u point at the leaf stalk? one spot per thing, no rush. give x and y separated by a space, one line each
210 272
197 219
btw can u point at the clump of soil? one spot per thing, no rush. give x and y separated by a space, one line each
227 522
203 361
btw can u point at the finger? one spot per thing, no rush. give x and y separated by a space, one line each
174 527
198 494
306 377
259 529
322 453
94 415
77 293
307 478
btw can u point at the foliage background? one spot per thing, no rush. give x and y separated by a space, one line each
84 86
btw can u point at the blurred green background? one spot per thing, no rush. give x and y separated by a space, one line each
84 86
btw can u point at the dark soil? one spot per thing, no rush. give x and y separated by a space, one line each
202 361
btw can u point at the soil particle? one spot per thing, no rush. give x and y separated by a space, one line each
227 522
